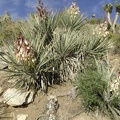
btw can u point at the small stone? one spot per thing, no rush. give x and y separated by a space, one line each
22 116
1 100
1 90
50 97
74 92
30 97
52 117
52 107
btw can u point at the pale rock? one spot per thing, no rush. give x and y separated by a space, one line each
1 90
15 97
73 92
22 116
1 100
3 64
30 98
52 107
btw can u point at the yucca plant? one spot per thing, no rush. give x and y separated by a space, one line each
29 57
26 66
65 46
29 60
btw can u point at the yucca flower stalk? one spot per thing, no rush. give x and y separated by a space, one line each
23 51
73 10
101 30
115 84
41 11
65 22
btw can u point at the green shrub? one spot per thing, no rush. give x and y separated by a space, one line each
94 88
91 86
115 39
95 20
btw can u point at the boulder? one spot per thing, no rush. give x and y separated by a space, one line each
16 97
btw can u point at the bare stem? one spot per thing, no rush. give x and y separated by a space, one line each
115 20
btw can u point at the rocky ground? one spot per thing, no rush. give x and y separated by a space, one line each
68 107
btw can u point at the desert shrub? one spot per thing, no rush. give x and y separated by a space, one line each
94 86
9 29
115 39
95 20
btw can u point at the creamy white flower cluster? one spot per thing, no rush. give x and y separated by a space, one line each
73 10
114 85
23 50
101 30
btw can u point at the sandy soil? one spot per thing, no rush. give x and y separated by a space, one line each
69 109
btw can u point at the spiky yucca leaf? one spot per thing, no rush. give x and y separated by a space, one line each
65 47
93 45
68 23
43 27
65 44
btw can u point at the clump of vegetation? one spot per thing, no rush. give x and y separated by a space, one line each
115 40
58 47
9 29
94 20
95 86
